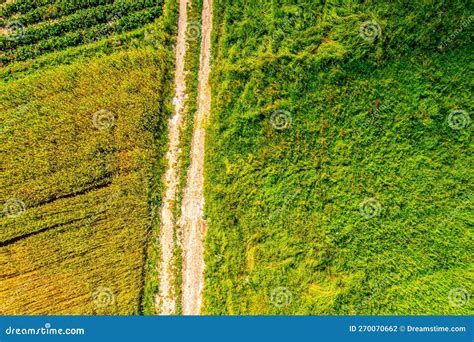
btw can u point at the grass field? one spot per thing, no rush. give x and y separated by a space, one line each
338 164
337 169
83 118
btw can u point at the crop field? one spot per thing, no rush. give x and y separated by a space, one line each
83 129
235 157
338 172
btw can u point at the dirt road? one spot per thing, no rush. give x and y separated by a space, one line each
192 221
166 300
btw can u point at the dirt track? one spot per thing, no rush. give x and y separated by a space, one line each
191 225
192 221
166 301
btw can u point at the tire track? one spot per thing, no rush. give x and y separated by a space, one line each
166 299
192 224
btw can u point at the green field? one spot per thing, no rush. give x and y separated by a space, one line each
83 131
338 166
338 181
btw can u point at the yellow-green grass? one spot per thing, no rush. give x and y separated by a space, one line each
85 184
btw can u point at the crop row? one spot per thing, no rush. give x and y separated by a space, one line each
55 11
124 24
80 20
24 6
144 36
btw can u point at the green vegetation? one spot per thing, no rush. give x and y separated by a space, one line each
82 148
338 168
193 40
84 26
145 36
361 117
49 10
